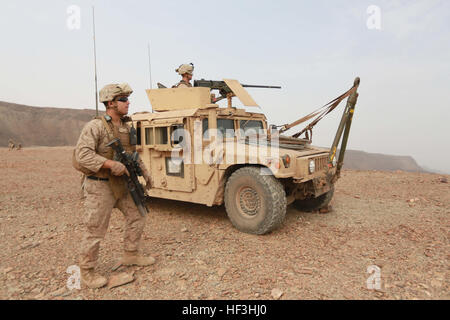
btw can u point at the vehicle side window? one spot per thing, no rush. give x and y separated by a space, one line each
161 135
176 134
149 138
226 127
205 127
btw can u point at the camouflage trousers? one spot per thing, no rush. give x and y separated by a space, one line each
98 204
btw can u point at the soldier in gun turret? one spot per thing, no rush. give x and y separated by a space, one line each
104 187
186 71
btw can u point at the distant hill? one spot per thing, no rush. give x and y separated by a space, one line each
427 169
36 126
360 160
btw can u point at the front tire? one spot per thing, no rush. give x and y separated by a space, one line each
254 203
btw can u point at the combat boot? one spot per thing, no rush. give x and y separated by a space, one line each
92 280
133 258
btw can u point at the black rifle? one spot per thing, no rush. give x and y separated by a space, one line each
223 88
131 163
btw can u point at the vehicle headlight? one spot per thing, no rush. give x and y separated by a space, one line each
334 162
312 166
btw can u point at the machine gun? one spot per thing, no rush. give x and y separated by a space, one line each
131 163
224 90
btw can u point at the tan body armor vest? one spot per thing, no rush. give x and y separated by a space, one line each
182 82
122 132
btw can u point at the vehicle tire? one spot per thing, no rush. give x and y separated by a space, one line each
314 204
254 203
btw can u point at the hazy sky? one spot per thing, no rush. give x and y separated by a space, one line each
313 49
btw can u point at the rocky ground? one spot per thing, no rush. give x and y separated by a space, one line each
397 221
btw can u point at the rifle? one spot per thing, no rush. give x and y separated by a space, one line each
223 88
131 163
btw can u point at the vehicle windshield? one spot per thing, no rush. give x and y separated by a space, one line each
251 126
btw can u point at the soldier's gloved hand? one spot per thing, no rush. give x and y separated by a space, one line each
118 169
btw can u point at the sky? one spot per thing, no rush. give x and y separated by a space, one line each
312 49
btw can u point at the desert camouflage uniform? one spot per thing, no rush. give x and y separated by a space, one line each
101 196
181 70
183 84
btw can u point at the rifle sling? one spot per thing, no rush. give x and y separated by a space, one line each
111 133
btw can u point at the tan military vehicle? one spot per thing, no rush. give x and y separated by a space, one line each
199 152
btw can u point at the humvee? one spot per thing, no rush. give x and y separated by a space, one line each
199 152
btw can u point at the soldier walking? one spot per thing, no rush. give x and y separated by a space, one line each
186 71
104 187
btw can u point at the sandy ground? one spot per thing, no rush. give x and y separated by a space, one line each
201 256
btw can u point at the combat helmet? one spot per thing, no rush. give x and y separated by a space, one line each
185 68
110 91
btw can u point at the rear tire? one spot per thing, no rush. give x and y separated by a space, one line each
314 204
254 203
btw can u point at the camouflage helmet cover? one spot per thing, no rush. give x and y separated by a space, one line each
185 68
110 91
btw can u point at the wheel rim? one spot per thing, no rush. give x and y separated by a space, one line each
248 201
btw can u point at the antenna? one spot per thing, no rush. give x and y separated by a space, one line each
149 65
95 63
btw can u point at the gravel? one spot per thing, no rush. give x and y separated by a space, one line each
373 222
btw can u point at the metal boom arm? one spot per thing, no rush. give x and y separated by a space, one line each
344 126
